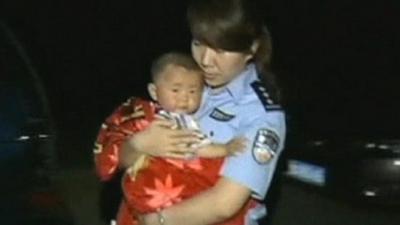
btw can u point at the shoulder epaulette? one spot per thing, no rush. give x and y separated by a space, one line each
264 97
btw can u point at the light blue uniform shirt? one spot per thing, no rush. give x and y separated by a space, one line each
243 108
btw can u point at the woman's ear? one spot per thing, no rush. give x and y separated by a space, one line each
152 89
253 50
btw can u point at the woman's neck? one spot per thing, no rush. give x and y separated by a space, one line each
217 89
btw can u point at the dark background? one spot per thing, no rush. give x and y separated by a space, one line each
337 62
93 55
336 59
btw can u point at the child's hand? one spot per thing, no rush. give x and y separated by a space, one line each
236 145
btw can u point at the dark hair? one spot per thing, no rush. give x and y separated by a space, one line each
173 58
234 25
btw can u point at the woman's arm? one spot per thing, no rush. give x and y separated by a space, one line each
158 139
120 138
215 205
243 175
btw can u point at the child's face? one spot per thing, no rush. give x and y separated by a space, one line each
178 89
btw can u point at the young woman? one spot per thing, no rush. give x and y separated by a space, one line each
233 47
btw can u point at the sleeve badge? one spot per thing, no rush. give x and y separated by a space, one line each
265 145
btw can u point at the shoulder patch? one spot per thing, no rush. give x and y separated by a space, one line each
265 145
220 115
264 97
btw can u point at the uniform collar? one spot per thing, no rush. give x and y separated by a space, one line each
237 87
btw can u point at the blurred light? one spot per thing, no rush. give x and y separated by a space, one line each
23 138
369 193
318 143
306 172
43 135
396 162
383 146
370 145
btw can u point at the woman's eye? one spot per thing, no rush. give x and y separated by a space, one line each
196 43
175 90
219 51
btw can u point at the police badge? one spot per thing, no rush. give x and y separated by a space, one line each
265 145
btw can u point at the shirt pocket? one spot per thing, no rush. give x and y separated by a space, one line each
221 132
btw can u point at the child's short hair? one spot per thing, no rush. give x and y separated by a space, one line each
173 58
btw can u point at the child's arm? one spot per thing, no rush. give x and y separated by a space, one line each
215 150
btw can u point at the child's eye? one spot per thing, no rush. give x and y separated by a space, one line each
175 90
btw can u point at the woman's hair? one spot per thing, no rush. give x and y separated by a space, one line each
235 25
173 58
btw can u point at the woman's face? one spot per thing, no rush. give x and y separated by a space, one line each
219 66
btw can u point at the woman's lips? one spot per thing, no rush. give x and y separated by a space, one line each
209 76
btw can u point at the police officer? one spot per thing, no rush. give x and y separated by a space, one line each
233 47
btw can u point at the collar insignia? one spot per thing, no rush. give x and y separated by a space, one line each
264 97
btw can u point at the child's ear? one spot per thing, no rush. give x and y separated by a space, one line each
152 89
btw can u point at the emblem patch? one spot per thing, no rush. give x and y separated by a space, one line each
265 145
220 115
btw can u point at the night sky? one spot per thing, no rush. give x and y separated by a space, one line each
336 59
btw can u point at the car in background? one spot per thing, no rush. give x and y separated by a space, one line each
363 169
27 142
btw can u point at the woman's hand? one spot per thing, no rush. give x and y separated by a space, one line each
159 139
148 219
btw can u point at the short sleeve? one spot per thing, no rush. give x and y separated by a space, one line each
264 133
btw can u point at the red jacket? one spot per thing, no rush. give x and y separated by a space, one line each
132 116
163 182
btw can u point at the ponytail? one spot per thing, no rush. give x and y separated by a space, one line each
262 59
